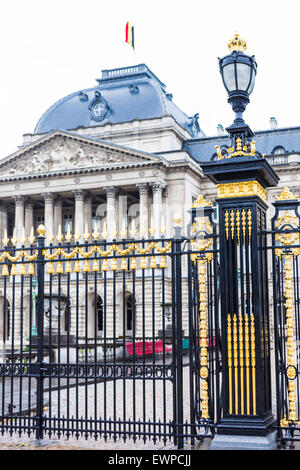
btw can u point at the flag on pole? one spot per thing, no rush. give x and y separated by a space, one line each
129 33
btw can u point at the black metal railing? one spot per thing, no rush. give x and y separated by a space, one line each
106 339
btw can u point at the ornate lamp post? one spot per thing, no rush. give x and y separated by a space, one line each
238 72
242 177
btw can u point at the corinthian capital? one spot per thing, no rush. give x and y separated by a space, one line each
19 200
111 191
48 197
143 188
157 186
79 194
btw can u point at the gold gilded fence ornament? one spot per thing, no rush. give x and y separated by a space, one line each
289 221
57 255
246 151
291 369
201 227
286 195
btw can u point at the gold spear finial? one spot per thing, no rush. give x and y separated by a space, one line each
95 233
152 228
23 239
68 235
14 237
237 44
123 232
31 237
133 230
86 234
59 235
5 239
163 227
114 232
143 230
104 233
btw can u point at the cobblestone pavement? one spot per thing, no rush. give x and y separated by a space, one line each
87 409
159 409
16 443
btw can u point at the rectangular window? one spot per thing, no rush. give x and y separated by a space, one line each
67 221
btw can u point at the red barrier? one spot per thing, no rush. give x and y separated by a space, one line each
146 347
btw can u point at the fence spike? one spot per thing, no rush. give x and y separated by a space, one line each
104 233
152 228
133 230
23 239
163 228
68 235
14 237
86 234
31 238
5 239
114 232
143 230
123 232
95 233
59 235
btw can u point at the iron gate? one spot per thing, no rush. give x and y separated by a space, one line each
112 340
285 248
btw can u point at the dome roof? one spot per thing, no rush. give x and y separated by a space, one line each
121 95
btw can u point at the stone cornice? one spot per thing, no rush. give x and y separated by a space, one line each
81 171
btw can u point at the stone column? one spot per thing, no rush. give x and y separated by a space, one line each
122 212
111 193
57 215
28 217
79 213
88 212
144 215
49 216
166 212
19 216
157 189
3 219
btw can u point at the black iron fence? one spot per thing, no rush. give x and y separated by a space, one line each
112 340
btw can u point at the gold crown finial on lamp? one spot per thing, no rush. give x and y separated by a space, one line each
237 44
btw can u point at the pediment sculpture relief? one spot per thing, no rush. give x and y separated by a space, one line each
63 154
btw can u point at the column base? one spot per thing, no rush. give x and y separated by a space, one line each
230 442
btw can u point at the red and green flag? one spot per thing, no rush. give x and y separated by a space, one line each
129 34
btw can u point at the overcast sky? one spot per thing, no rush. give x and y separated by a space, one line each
49 49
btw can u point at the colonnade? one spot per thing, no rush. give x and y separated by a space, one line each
152 206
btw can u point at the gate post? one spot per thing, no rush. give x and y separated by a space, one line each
241 180
178 332
40 334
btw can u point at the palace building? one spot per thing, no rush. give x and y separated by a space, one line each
118 155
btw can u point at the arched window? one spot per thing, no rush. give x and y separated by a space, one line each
278 150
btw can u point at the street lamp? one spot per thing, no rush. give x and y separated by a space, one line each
238 72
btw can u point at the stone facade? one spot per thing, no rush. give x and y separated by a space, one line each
110 175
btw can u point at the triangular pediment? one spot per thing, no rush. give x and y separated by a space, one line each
60 151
